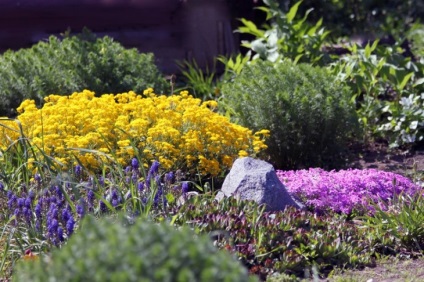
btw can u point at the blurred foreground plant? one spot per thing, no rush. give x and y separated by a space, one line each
119 250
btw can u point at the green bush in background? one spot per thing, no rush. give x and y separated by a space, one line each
74 64
363 17
105 250
307 110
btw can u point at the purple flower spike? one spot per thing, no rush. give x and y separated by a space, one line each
78 170
140 186
31 194
80 209
1 186
60 234
21 202
103 207
134 163
154 169
148 181
127 169
38 209
169 177
115 198
28 202
70 224
101 180
90 197
37 177
184 187
66 214
52 226
27 214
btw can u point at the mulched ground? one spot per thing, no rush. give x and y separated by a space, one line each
379 156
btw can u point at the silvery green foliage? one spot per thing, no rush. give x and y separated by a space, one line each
405 123
307 110
115 250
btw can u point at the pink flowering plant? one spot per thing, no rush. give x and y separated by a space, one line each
345 191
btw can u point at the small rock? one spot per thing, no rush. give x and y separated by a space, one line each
252 179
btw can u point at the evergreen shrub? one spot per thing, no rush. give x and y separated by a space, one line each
104 250
308 112
71 65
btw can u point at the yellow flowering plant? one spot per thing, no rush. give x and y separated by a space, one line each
179 131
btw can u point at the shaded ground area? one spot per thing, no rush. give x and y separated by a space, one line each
379 156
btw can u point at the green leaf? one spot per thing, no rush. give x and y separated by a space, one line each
250 28
369 49
405 80
293 11
298 57
170 198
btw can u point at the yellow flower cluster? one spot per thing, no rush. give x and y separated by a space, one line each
179 131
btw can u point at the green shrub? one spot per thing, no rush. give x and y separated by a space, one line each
74 64
107 251
307 110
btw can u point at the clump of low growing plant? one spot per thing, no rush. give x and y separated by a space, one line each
112 250
396 228
346 191
179 131
289 242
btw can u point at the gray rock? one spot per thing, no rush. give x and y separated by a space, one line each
252 179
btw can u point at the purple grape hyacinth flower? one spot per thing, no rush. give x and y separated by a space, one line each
52 225
21 202
134 163
154 169
37 178
60 234
127 169
90 197
80 209
103 207
78 170
31 195
38 209
140 187
169 177
70 224
184 187
66 214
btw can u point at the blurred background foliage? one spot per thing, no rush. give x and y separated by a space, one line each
361 17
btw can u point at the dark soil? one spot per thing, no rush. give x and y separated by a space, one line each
379 156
